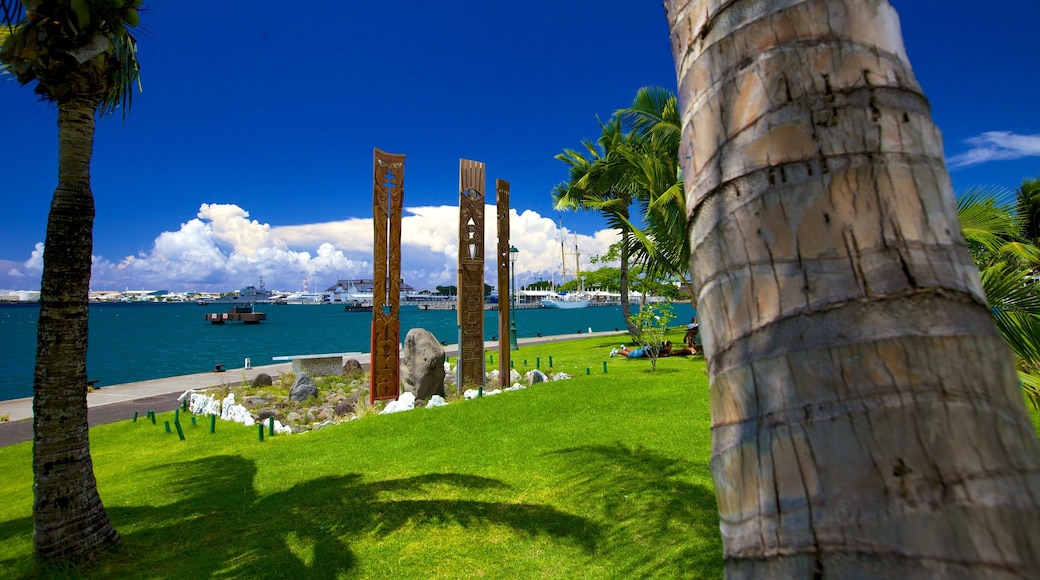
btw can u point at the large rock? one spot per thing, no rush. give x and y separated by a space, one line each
262 380
352 369
422 364
535 376
303 389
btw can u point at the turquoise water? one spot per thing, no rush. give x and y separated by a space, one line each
136 342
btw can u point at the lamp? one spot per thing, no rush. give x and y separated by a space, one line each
513 254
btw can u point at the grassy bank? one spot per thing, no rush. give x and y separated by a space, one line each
604 475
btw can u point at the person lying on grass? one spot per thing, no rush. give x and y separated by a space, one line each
640 352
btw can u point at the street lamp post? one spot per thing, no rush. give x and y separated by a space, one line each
513 253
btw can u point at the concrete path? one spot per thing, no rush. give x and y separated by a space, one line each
117 402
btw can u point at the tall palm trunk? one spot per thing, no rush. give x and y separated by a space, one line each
70 521
626 305
866 418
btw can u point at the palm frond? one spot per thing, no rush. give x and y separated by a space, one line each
10 12
988 219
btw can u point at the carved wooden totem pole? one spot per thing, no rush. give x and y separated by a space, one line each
505 297
387 197
471 273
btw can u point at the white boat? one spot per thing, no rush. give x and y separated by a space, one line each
565 301
304 298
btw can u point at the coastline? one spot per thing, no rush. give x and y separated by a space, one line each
117 402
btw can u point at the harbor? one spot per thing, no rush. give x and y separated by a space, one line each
139 342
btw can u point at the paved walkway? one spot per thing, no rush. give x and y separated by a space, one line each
116 402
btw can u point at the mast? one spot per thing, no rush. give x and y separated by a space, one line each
577 265
563 255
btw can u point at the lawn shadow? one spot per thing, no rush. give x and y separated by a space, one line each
217 525
656 522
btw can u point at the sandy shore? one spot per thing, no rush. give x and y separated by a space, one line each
116 402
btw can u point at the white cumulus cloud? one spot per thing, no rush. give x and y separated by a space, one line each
222 249
996 146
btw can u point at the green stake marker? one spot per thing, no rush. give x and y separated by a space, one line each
588 371
184 404
260 432
604 366
270 426
492 361
152 415
193 420
135 417
176 415
180 432
212 423
550 362
537 362
167 423
525 363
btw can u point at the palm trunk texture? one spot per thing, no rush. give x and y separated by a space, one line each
70 523
866 416
626 305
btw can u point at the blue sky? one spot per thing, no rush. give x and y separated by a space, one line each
249 153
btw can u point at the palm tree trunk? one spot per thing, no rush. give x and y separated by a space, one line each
866 417
626 306
70 521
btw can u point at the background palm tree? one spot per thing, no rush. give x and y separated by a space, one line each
81 57
993 226
661 245
1028 195
597 180
866 416
634 163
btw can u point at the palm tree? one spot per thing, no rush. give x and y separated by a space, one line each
597 181
652 157
637 166
994 228
866 413
83 58
1028 195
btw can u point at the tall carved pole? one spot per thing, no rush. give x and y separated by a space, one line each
387 197
471 273
502 202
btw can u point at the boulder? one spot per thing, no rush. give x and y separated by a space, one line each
344 408
352 369
422 364
303 389
533 377
262 380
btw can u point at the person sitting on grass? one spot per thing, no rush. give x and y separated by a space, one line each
693 336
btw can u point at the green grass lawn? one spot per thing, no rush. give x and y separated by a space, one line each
605 475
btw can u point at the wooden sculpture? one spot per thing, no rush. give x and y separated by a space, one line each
387 197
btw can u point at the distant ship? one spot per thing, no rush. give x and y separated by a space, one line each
566 301
248 294
304 298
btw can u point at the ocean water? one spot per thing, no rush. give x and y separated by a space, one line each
136 342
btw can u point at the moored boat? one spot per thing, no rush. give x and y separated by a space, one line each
566 302
237 313
357 306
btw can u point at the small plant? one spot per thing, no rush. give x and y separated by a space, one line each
364 409
652 322
5 418
221 391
